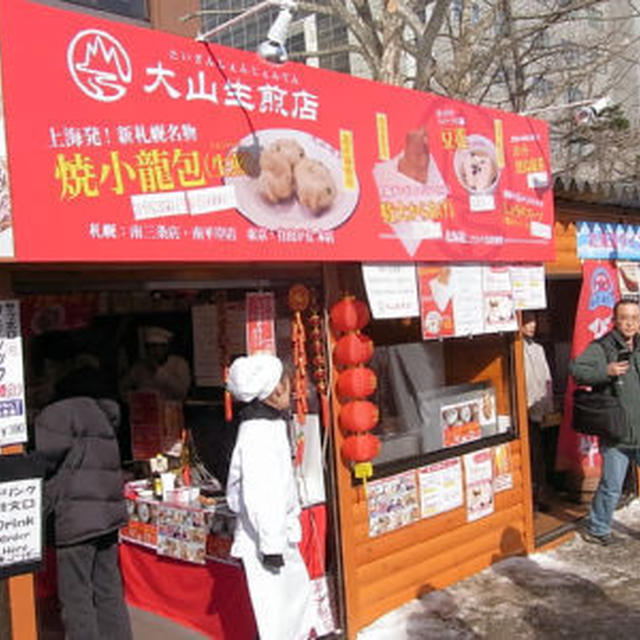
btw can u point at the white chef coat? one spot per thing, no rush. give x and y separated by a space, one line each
261 489
171 379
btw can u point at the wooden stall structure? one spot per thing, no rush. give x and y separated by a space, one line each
383 572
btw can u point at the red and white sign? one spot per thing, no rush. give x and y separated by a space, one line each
578 454
261 327
139 155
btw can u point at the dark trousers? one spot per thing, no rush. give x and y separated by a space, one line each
538 469
90 591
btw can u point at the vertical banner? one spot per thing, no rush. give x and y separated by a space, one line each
578 454
260 326
13 423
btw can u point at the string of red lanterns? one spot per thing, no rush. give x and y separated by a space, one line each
357 416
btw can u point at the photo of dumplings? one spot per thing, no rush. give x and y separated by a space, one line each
315 187
299 185
476 166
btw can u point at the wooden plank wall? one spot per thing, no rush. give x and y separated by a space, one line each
384 572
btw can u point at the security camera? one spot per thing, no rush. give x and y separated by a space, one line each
587 114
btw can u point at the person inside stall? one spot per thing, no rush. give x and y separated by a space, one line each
539 403
158 370
261 489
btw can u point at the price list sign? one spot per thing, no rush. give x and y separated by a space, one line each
13 423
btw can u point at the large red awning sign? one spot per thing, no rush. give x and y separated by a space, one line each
126 144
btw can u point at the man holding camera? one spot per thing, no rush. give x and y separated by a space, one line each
613 360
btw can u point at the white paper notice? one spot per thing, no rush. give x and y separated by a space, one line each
478 470
467 300
392 290
499 307
528 284
20 521
13 423
440 487
206 351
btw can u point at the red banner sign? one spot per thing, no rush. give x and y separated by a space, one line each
130 144
261 323
576 453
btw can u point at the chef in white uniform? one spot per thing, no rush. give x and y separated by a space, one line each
159 371
261 489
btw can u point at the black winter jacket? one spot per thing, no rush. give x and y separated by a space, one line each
83 482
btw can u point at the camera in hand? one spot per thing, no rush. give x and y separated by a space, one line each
624 356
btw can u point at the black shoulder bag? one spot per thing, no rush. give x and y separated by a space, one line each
599 412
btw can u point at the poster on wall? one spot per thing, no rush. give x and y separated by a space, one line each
440 487
13 421
392 291
498 304
148 145
207 369
628 279
528 284
392 503
436 301
467 300
478 472
502 469
261 323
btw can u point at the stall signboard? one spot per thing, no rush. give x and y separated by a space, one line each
13 421
21 524
608 241
160 148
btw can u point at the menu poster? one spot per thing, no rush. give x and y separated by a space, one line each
498 304
20 525
460 422
628 279
261 323
467 300
478 469
206 350
13 423
502 469
182 533
235 333
528 285
440 487
436 301
391 290
392 503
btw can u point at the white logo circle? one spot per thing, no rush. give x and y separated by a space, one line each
99 65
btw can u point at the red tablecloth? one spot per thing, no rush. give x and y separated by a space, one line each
212 599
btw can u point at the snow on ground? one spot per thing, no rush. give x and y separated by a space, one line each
577 590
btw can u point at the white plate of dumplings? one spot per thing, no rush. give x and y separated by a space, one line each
300 185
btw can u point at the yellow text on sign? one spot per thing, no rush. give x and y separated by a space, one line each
383 136
348 160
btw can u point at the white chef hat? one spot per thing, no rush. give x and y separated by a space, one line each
157 335
252 377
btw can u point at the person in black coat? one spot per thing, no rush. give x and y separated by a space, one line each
76 436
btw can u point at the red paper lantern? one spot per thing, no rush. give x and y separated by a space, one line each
361 447
352 349
357 383
349 314
358 415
